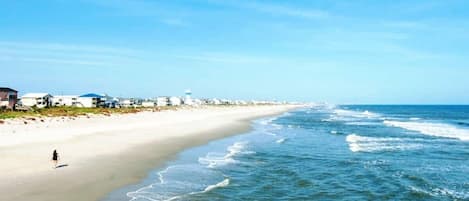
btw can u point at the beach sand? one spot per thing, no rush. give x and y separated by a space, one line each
101 154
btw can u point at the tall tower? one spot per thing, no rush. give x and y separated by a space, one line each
188 99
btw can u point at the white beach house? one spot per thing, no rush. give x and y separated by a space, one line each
175 101
148 103
67 100
40 100
90 100
162 101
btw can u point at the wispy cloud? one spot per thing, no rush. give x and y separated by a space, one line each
277 9
161 12
54 61
67 47
95 55
403 24
58 53
231 58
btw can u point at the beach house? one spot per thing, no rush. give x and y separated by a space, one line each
8 98
112 103
148 103
215 101
67 100
90 100
130 102
175 101
40 100
162 101
126 102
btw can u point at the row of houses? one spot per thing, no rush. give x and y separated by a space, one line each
9 99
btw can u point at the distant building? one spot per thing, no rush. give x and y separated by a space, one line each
138 102
175 101
148 103
131 102
197 102
40 100
126 102
111 103
8 98
90 100
215 102
162 101
69 100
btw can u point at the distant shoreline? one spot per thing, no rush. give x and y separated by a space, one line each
104 154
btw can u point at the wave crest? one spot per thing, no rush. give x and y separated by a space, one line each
433 129
359 143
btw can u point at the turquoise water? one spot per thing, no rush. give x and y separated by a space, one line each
326 153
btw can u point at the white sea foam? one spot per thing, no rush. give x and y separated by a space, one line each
350 115
209 188
433 129
281 141
359 143
356 114
357 138
437 192
213 160
179 181
363 123
268 121
224 183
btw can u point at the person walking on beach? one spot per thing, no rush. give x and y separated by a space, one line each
55 158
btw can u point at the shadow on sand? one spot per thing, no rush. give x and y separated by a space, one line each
61 166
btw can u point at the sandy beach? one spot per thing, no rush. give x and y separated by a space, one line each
102 153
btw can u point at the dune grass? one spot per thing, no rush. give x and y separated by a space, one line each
74 112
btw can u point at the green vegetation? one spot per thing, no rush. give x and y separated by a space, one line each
74 112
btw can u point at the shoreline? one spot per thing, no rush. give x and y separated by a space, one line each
101 162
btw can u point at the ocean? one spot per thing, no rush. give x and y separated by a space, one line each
325 152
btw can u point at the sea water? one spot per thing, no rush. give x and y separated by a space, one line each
325 153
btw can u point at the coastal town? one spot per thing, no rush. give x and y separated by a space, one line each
10 100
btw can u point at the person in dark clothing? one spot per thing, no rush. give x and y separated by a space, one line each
55 158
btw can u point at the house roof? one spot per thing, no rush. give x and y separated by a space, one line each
91 95
35 95
7 89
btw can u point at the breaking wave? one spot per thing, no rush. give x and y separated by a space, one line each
351 115
281 141
433 129
213 160
359 143
179 181
356 114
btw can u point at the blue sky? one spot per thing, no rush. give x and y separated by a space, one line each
392 52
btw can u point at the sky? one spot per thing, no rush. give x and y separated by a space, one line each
337 51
